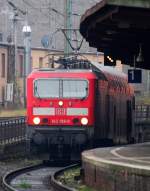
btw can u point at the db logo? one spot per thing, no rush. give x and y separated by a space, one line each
60 111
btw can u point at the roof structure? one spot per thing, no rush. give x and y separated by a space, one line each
120 29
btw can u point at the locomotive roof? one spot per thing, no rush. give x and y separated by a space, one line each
106 71
114 77
62 73
60 70
109 70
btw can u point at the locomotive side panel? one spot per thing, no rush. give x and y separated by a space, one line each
101 114
114 112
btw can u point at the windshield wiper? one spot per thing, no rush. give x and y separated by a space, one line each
36 92
83 98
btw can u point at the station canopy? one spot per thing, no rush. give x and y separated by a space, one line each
120 29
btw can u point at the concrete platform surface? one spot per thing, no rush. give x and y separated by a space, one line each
125 168
136 156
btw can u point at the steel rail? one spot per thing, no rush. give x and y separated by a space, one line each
56 184
11 175
8 177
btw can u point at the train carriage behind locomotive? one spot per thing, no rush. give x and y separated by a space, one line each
74 107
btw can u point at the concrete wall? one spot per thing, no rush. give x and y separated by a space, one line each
109 177
46 57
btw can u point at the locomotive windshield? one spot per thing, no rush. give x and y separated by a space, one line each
60 88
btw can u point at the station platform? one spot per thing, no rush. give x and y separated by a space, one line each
125 168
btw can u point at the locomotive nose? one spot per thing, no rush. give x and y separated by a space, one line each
39 139
80 138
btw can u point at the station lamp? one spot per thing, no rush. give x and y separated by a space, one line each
140 56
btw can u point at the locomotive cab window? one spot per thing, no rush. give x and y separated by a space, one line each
45 88
74 88
60 88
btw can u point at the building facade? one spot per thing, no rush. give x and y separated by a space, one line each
3 71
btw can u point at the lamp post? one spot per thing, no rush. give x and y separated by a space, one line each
27 56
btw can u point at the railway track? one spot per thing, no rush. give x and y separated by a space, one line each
35 178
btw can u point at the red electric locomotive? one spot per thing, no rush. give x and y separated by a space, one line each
73 107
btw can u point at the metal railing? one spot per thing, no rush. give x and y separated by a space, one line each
142 113
142 123
12 130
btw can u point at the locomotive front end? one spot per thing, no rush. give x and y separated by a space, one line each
60 108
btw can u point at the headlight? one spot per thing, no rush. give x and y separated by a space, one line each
36 120
60 103
84 121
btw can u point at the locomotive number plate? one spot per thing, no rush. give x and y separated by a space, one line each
60 111
60 121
